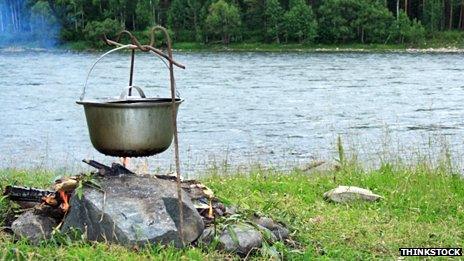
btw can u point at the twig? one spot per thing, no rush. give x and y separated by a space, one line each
313 165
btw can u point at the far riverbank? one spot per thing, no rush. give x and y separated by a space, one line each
444 42
266 47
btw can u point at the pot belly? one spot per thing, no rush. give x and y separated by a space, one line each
130 132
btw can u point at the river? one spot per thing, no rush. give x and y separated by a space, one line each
275 109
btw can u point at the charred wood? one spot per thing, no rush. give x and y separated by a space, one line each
25 194
116 169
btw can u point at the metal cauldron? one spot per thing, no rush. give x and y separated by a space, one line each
130 127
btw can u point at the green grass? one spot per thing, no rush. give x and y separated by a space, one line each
423 206
442 41
295 47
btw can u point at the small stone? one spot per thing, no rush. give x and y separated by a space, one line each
33 226
279 231
230 210
346 194
246 239
218 212
267 234
207 236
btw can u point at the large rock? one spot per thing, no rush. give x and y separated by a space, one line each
133 210
243 239
34 227
346 194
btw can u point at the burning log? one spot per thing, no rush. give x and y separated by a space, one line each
63 188
116 169
25 194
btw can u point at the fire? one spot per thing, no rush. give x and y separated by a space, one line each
63 186
65 205
125 161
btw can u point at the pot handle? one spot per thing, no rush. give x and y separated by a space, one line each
95 63
120 47
126 91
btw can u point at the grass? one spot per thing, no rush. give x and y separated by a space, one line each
290 47
422 207
440 41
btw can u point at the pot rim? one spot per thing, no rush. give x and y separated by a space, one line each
130 103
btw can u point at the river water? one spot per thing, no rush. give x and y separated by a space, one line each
277 109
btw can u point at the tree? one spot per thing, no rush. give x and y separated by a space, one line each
405 30
373 22
461 16
195 7
253 17
178 16
183 19
335 17
300 23
335 21
367 21
95 29
274 19
432 14
145 12
223 19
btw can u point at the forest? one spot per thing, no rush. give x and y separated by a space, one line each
227 21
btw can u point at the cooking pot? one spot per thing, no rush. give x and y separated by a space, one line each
129 126
133 126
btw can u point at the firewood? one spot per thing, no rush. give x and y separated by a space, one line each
18 193
116 169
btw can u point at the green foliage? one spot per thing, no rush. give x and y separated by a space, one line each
274 20
344 21
453 38
258 21
374 22
253 17
405 30
178 16
95 29
145 12
223 20
184 19
89 180
432 14
335 20
300 23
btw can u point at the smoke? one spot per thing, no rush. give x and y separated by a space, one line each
27 23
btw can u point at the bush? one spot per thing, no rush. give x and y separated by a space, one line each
453 38
95 29
406 31
274 20
374 22
223 20
300 23
354 20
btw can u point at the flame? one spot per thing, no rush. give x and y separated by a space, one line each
65 205
125 162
